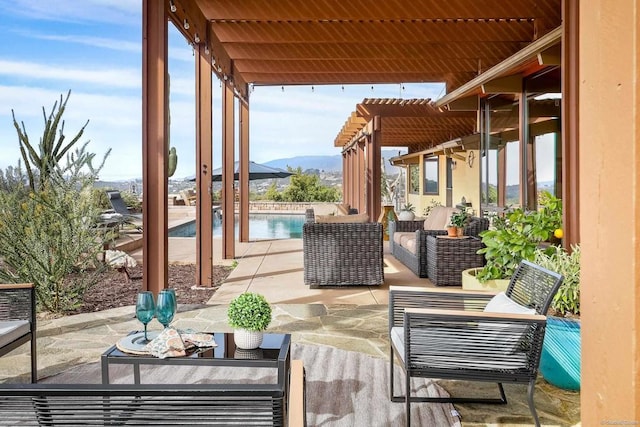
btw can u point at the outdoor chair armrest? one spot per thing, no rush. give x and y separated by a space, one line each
430 291
15 286
407 226
475 315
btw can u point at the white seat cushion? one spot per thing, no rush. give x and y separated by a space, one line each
501 303
11 330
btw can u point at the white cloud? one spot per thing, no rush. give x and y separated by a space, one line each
180 54
116 77
110 11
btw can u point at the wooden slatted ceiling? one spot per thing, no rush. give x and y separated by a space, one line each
282 42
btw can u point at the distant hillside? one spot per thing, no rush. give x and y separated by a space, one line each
327 163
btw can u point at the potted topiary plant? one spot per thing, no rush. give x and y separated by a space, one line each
459 220
407 213
249 314
560 360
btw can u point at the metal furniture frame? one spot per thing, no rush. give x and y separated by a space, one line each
446 334
18 315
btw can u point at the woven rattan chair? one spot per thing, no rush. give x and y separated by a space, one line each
447 335
18 320
342 254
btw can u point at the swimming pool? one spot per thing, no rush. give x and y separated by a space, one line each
261 226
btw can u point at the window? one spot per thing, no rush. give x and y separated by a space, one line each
431 184
414 179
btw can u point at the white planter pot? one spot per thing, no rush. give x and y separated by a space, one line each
469 282
247 340
406 216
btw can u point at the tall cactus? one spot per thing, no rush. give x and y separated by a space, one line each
50 151
173 155
173 161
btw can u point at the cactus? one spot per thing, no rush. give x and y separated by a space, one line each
50 151
173 161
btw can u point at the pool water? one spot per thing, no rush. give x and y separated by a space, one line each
261 226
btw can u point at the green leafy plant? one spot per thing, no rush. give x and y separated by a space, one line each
517 236
249 311
408 207
567 300
460 218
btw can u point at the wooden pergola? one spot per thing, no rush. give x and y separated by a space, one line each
264 42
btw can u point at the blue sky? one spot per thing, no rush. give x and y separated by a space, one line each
93 47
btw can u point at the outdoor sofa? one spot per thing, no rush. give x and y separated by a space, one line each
342 250
408 242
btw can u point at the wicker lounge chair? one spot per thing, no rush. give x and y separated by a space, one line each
342 254
464 336
18 320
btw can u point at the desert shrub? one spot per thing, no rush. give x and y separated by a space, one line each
48 233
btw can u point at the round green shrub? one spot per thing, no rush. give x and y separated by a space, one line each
249 311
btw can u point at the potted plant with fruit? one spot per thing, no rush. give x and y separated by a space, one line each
513 237
561 350
249 314
407 213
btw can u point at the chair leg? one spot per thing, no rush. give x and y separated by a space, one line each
532 387
34 364
391 373
407 392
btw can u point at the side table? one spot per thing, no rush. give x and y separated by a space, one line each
448 256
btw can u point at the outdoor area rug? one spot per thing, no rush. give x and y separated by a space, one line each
343 388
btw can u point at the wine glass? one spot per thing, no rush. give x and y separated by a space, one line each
166 307
145 309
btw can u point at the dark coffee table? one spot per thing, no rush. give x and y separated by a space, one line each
273 353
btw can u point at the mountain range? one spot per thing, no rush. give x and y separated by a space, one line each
327 163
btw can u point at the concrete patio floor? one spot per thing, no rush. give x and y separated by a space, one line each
351 319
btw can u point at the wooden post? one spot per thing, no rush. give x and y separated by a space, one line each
155 129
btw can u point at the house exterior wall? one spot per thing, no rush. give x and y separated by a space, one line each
466 182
